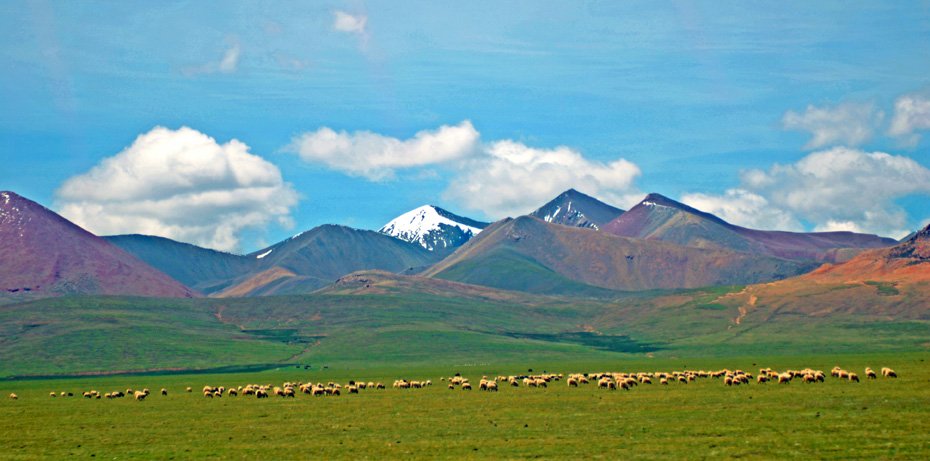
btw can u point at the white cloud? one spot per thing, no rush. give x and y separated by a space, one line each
228 64
182 185
352 24
843 186
502 178
511 179
911 113
849 124
376 156
345 22
835 189
744 208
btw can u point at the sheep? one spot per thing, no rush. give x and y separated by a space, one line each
379 386
728 381
572 382
188 388
492 386
540 383
888 373
164 392
261 394
14 396
603 383
232 393
853 377
139 395
762 379
208 394
466 386
869 373
352 389
612 386
663 381
208 389
784 378
52 394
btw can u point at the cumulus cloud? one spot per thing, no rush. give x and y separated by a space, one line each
835 189
376 156
228 64
850 124
744 208
500 178
911 113
511 179
183 185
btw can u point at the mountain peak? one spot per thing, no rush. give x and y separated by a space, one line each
573 208
433 228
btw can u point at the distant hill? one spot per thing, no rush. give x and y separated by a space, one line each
45 254
316 258
528 254
661 218
202 269
572 208
433 228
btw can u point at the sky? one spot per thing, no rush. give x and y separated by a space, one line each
234 125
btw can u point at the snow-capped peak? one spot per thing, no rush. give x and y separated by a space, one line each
424 226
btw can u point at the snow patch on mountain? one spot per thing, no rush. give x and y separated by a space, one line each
426 225
265 254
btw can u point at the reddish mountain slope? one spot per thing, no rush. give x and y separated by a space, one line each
660 218
528 254
43 253
882 284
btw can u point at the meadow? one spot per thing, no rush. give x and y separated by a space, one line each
879 418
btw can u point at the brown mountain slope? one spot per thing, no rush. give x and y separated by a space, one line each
884 284
45 254
661 218
528 254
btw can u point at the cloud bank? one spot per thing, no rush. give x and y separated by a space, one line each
836 189
849 124
500 178
183 185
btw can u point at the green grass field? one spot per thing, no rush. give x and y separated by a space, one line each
881 418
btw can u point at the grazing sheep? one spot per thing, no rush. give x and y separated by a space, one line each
208 394
164 392
379 386
14 396
139 395
352 389
261 394
888 373
188 388
52 394
784 378
540 383
762 379
466 387
728 381
663 381
869 373
492 386
853 377
572 382
603 383
232 393
611 386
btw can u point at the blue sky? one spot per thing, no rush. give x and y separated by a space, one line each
122 115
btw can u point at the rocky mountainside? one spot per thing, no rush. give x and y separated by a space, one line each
660 218
572 208
528 254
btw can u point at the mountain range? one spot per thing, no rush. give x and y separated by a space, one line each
573 245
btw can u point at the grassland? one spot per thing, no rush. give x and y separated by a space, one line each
881 418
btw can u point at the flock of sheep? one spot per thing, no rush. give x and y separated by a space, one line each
604 380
